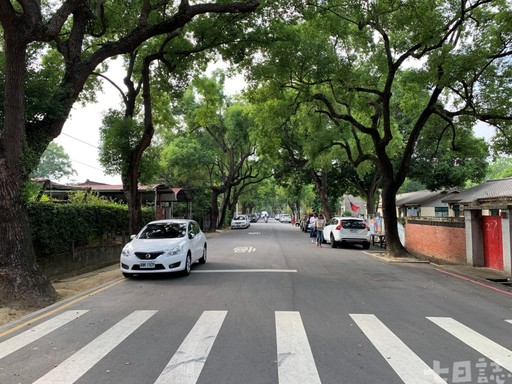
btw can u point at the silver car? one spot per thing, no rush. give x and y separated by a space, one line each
347 230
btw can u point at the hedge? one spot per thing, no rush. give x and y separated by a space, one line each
58 226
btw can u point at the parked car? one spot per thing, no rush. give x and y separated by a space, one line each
253 218
164 246
347 230
240 221
304 224
285 218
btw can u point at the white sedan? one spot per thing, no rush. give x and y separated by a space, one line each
164 246
240 221
347 230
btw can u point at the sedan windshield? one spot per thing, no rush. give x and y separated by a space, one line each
164 231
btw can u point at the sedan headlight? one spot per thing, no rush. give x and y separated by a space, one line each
127 250
176 250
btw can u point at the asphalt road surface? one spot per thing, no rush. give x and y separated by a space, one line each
270 307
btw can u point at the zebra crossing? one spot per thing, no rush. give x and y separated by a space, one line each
295 359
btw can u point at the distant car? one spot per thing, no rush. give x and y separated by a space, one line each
253 218
164 246
347 230
240 221
285 218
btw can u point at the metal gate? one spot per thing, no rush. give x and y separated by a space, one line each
493 246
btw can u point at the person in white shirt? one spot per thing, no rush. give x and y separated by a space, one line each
312 233
319 226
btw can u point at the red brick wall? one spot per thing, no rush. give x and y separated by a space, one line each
441 242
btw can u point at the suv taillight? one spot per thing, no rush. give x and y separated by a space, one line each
340 224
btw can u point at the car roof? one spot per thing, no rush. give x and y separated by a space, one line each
170 221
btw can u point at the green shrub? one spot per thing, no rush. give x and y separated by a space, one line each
58 226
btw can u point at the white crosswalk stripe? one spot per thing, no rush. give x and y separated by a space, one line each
294 357
407 365
12 345
74 367
501 355
188 362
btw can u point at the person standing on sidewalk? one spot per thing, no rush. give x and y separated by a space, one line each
312 227
319 226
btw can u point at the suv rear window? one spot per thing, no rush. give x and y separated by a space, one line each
353 224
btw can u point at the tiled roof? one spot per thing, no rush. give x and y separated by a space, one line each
116 187
497 190
420 197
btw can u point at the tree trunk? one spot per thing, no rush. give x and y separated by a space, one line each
224 208
22 283
131 192
215 208
321 188
393 244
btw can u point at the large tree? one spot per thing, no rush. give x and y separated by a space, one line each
85 34
208 111
385 70
54 164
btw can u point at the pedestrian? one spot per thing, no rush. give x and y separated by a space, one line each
312 233
320 225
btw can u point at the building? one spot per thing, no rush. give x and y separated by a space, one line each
426 204
487 209
168 202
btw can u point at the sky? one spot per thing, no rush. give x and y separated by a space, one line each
80 134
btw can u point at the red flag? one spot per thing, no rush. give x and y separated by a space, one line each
353 206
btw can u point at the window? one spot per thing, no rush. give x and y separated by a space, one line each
441 211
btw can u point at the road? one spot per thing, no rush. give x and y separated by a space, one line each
270 307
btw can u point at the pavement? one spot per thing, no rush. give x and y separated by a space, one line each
480 275
73 287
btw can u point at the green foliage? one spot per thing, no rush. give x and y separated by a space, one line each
500 168
30 190
57 227
54 164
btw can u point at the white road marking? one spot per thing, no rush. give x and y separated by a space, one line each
407 365
244 270
509 321
294 357
501 355
17 342
188 361
79 363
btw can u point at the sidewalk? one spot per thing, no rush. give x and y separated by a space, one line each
69 287
479 274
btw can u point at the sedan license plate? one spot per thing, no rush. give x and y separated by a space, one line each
147 264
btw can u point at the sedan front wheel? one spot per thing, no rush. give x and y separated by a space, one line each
188 265
202 260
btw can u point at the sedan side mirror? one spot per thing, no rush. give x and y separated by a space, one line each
133 237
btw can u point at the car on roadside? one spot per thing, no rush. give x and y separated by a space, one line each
347 230
285 218
240 221
253 218
171 245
